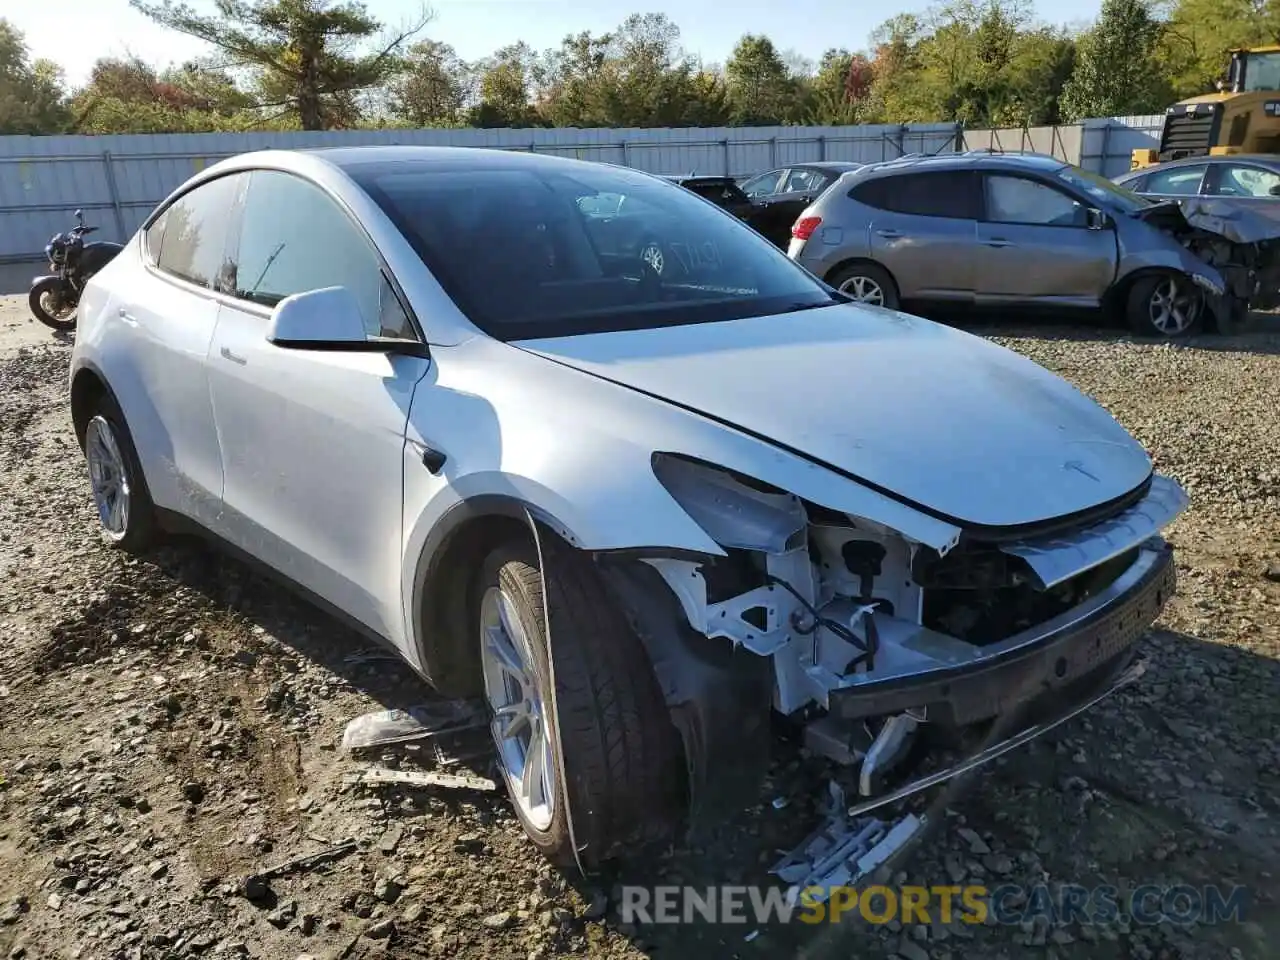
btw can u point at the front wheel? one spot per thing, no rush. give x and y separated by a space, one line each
602 748
866 283
50 307
1167 305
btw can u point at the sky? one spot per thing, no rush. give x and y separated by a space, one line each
74 33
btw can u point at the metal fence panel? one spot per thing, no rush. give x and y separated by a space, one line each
118 179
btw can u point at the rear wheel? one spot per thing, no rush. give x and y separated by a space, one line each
125 511
1167 305
619 772
50 307
866 283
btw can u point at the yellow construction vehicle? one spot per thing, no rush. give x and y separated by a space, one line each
1242 117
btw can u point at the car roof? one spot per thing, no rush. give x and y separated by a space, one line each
1268 160
971 160
346 158
833 166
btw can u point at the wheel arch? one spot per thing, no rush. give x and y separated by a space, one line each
87 386
443 577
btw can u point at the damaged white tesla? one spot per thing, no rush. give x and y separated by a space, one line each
575 440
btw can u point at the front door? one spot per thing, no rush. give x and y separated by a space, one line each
313 440
1035 246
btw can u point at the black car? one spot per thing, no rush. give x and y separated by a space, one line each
778 197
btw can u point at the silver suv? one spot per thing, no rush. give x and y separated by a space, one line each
1005 229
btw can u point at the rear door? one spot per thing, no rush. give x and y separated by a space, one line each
1035 246
167 315
924 231
1242 181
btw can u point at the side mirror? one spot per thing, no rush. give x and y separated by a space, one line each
329 319
80 217
1275 190
1095 219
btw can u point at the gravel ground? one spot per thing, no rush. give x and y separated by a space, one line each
171 725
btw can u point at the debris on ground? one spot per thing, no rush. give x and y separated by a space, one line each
842 851
381 776
383 728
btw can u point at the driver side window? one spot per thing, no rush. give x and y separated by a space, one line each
1015 200
294 238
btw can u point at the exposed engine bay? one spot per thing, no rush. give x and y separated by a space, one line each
1242 244
857 623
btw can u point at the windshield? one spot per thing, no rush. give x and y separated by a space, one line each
1106 194
544 251
1262 72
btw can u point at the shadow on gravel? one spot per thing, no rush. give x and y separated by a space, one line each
1173 782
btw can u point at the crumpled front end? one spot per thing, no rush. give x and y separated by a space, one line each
1240 241
872 641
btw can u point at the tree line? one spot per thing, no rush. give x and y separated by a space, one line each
322 64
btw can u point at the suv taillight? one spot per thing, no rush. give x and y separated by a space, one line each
803 228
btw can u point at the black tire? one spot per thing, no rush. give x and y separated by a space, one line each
140 526
1140 308
621 758
850 273
48 285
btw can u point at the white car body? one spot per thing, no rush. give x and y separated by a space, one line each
312 461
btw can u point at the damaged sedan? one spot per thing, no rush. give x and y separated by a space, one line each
638 512
1028 231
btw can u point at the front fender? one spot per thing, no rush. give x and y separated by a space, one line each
1148 248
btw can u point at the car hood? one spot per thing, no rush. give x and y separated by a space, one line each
1240 221
944 420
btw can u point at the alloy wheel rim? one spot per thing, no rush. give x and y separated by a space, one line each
110 481
863 290
519 724
652 255
1173 307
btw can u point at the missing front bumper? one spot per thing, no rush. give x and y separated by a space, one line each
1052 657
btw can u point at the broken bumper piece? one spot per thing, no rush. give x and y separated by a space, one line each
1055 657
853 843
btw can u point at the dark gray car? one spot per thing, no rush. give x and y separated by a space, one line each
1248 178
1016 229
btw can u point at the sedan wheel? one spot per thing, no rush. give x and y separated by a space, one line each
865 282
652 255
519 726
863 290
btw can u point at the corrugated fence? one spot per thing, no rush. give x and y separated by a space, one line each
117 180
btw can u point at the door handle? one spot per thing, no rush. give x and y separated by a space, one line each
233 357
889 234
998 242
124 314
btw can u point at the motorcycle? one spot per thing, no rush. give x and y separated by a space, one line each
54 298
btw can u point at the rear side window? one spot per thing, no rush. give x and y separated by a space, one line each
294 238
189 239
943 193
1177 181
